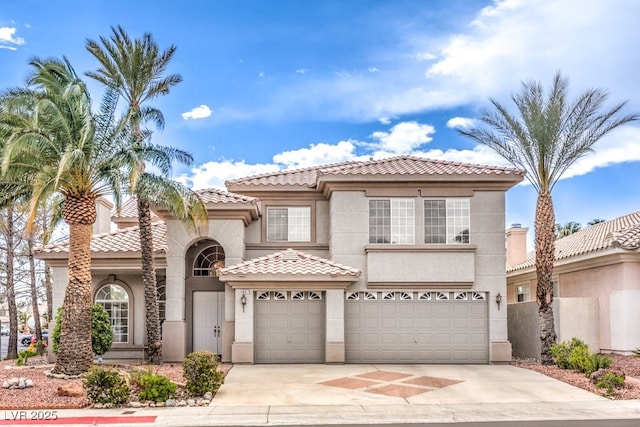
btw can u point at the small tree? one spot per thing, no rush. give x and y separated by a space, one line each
101 333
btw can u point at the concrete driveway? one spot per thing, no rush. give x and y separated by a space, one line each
370 385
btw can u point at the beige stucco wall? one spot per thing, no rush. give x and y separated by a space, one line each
131 282
230 233
573 317
597 283
427 266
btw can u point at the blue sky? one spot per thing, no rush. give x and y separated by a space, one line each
281 84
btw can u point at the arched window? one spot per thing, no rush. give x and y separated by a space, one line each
206 262
115 299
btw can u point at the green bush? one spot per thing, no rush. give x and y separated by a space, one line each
200 370
610 381
106 385
580 359
101 333
155 387
598 361
561 352
636 352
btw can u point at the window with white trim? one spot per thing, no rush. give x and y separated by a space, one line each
446 221
289 224
115 300
392 221
523 293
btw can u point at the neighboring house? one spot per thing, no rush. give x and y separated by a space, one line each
596 283
397 261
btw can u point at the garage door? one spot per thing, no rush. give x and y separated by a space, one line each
289 327
416 327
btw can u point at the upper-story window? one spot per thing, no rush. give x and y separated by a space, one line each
446 221
523 293
392 221
289 224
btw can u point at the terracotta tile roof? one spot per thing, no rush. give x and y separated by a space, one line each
213 195
622 232
290 262
400 165
129 212
117 241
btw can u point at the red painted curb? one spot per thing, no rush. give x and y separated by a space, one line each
82 420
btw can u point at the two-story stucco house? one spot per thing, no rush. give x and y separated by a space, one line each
398 260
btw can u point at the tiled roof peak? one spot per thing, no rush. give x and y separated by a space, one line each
622 232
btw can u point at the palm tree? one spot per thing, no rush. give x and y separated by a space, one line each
52 149
546 136
135 69
595 221
564 230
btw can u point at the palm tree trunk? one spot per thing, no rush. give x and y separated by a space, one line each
34 294
545 247
75 355
154 335
12 349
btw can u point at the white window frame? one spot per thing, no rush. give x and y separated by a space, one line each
525 291
298 224
115 307
457 220
401 226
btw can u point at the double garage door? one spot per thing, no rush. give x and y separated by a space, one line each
416 327
380 327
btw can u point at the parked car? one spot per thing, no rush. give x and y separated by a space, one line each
27 339
4 331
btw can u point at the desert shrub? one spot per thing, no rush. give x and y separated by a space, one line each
101 333
610 381
599 361
155 387
200 370
580 359
106 385
561 352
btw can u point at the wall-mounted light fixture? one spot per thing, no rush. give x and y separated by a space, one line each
498 300
243 299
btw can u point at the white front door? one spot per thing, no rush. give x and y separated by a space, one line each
208 315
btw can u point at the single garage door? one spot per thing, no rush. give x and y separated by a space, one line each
416 327
289 327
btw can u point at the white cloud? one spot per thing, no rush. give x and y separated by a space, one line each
316 154
214 174
424 56
373 69
8 39
384 120
302 70
461 122
261 74
620 146
200 112
403 137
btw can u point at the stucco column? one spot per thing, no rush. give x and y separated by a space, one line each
242 348
335 351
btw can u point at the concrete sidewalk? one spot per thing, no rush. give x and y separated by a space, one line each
263 395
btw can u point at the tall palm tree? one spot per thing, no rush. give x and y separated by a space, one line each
136 70
564 230
545 137
52 141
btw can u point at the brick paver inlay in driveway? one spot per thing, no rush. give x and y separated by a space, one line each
392 384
